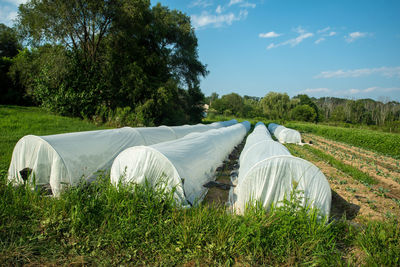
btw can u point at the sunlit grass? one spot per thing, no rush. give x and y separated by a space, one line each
17 121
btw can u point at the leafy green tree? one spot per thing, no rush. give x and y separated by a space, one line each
304 113
210 99
230 104
118 54
276 105
10 91
9 43
306 100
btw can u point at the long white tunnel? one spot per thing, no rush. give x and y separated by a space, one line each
64 159
283 134
185 164
268 174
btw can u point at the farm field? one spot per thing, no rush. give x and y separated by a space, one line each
381 142
103 225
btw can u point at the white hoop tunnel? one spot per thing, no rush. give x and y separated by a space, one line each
64 159
283 134
184 164
268 174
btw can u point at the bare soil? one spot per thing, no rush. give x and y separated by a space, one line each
380 167
374 202
352 199
216 195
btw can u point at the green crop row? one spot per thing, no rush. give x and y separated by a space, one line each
385 143
350 170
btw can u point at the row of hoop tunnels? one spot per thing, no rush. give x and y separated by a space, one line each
181 159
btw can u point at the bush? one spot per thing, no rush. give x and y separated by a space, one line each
304 113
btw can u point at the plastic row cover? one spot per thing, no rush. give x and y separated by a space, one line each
268 173
185 164
283 134
64 159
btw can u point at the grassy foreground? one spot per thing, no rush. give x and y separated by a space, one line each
103 225
100 224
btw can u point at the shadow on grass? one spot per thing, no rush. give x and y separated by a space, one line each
341 207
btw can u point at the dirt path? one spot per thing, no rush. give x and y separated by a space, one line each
219 196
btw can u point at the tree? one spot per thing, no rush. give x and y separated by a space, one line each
9 44
119 53
210 99
276 105
10 91
305 100
230 104
304 113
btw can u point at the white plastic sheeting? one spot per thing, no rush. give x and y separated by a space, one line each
185 164
268 173
283 134
64 159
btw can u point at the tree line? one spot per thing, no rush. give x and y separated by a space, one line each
126 62
273 106
280 107
120 60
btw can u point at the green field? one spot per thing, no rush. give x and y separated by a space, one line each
103 225
18 121
385 143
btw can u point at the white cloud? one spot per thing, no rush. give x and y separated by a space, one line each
295 41
234 2
324 33
7 15
354 91
16 2
316 90
219 9
269 35
201 3
206 19
384 71
351 37
324 30
247 4
299 30
319 40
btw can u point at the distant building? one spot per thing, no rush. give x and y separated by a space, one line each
205 108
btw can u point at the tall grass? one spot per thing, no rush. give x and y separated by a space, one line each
103 224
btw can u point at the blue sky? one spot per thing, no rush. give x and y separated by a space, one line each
335 48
